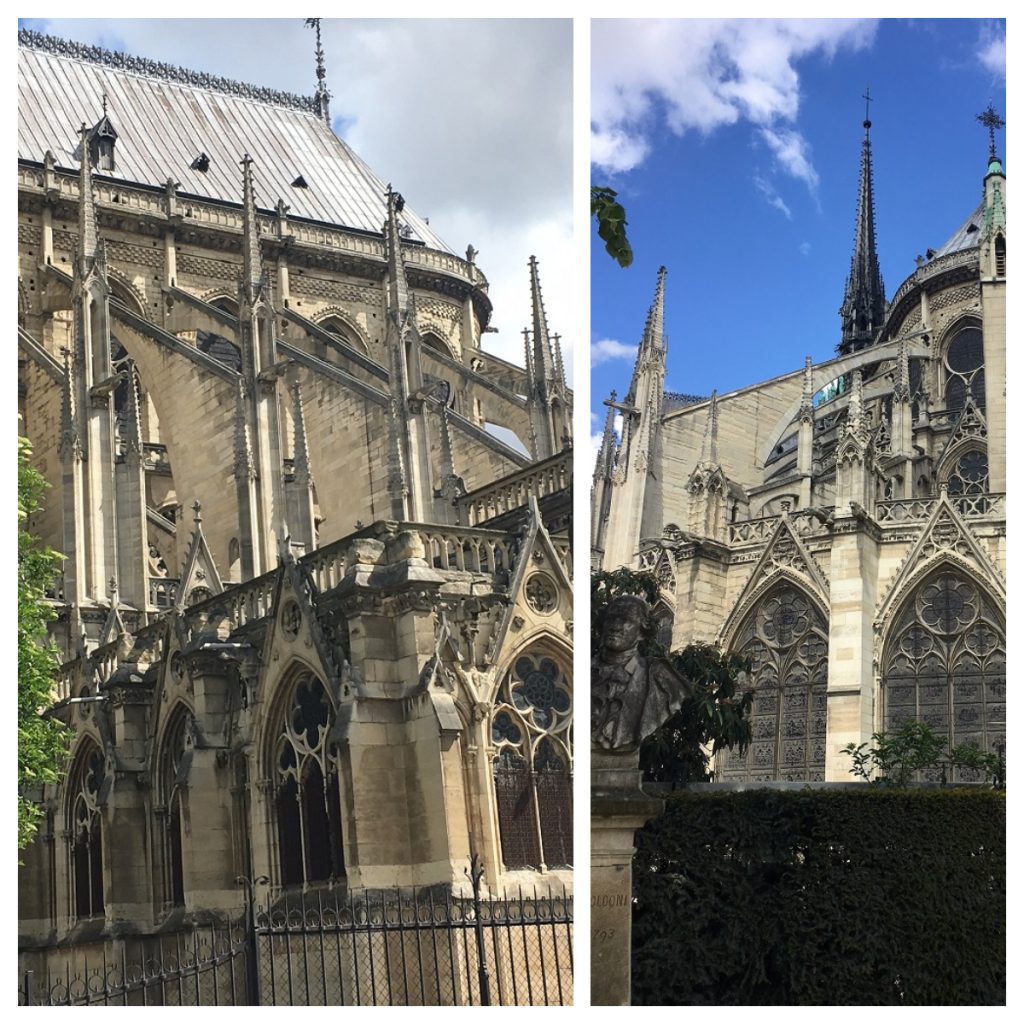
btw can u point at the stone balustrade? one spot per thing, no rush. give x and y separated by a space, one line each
538 481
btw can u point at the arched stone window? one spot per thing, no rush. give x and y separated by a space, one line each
965 369
968 475
336 326
945 662
533 767
307 794
786 638
175 760
86 832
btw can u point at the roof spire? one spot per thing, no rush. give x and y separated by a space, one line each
300 461
654 329
991 120
322 97
863 308
543 359
252 262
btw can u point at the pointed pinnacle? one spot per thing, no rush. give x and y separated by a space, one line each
87 233
654 329
709 446
301 459
901 385
543 359
398 287
606 453
252 261
807 395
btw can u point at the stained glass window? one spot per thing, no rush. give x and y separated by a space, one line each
945 663
533 765
786 638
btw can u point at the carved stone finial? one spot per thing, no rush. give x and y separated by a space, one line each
197 510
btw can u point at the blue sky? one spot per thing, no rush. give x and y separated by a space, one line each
735 149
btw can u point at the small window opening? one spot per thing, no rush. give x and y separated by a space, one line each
201 163
300 182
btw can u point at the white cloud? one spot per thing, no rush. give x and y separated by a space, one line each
771 197
701 75
991 49
805 248
607 349
470 119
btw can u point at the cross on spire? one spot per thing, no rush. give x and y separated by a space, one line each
867 106
991 120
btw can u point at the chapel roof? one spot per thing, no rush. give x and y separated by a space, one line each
167 117
967 235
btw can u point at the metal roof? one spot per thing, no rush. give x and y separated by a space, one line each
967 235
166 117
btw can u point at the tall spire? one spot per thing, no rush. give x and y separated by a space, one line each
863 308
322 97
653 341
252 262
654 329
543 359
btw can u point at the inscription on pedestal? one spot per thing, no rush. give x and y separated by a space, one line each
610 910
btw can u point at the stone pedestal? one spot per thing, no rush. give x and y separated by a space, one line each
617 809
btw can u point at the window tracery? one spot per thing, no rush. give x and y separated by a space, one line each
174 774
965 369
786 638
87 833
945 663
308 796
530 729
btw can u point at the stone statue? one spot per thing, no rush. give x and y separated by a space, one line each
630 695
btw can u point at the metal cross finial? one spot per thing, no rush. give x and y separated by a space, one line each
867 106
246 161
991 120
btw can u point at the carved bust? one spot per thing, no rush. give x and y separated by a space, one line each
631 695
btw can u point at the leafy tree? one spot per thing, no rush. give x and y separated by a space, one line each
41 740
715 717
611 223
896 758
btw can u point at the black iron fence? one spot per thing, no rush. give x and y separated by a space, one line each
408 947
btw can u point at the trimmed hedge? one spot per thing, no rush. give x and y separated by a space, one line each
860 896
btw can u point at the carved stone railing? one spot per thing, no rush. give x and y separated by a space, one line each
250 601
162 592
980 506
512 492
903 510
752 531
467 549
962 258
443 261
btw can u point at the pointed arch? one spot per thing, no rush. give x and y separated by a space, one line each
530 733
943 659
173 763
125 292
338 322
85 791
302 763
433 342
784 632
